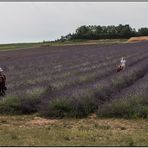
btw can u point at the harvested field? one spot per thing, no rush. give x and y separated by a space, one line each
70 80
138 39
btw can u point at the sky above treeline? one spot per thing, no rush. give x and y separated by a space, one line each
38 21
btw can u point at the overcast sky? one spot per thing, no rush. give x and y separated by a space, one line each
36 21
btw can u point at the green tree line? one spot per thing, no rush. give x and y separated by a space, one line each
93 32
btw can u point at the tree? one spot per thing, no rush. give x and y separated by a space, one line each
143 32
104 32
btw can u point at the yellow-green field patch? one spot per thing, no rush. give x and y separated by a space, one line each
35 131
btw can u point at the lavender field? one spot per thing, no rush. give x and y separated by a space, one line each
75 81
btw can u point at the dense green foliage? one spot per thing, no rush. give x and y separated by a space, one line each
105 32
131 107
23 104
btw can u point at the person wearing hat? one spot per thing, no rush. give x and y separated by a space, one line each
2 82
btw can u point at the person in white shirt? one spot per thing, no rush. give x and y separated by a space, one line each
123 63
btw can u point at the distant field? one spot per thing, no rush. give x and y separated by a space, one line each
7 47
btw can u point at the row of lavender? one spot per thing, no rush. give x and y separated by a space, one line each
132 102
82 101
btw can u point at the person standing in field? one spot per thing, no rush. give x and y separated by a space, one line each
123 63
3 88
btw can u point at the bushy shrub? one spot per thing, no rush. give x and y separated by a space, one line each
132 107
10 104
58 108
24 104
83 106
64 107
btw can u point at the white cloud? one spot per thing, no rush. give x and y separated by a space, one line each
32 21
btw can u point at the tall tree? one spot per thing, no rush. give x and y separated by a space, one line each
143 31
